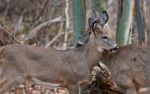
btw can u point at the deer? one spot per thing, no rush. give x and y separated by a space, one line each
66 68
129 66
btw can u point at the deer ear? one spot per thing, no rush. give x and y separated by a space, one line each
95 15
91 22
104 18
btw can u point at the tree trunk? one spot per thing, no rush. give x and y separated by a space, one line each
125 22
139 18
97 5
78 19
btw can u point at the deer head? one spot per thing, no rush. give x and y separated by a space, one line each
99 33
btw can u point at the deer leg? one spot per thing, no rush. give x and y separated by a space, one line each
73 89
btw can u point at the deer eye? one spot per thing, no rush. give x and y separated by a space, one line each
104 37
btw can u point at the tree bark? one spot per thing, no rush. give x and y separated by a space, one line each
139 18
78 19
125 23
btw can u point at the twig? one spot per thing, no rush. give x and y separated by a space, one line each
18 24
58 19
56 37
67 26
41 12
10 34
61 27
34 31
59 33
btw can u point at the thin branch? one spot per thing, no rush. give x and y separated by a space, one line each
61 27
67 15
10 34
42 11
67 26
34 31
52 41
59 33
18 24
58 19
56 37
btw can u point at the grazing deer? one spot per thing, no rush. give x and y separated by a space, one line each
68 68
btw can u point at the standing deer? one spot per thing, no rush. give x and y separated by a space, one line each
130 67
68 68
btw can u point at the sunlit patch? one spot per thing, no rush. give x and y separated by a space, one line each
99 49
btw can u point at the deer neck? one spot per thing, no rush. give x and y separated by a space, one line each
91 54
93 57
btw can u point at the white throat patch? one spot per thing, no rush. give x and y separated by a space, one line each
99 49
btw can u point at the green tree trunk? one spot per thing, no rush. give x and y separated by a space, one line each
125 23
139 18
78 19
97 5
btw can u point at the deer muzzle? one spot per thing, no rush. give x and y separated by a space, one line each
114 49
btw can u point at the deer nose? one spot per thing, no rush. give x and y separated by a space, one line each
114 49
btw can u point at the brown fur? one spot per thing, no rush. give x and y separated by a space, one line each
130 67
67 68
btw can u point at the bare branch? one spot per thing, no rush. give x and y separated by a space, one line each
52 41
59 33
18 24
56 37
58 19
41 12
10 34
34 31
67 26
